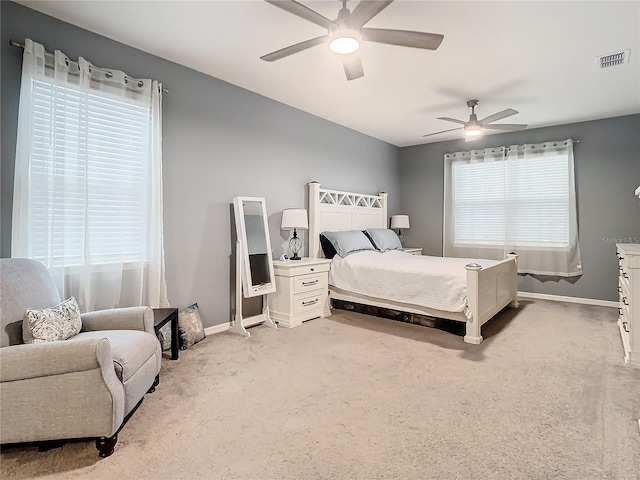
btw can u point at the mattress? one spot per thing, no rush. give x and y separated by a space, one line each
431 282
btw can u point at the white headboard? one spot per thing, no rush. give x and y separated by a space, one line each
332 210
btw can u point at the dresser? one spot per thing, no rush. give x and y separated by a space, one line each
302 288
629 293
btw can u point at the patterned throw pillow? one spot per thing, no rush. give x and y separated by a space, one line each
164 336
190 329
52 324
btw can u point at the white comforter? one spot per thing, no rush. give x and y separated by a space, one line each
432 282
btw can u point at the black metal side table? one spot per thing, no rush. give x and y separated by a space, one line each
160 318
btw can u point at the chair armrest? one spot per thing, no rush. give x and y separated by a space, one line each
22 362
58 390
130 318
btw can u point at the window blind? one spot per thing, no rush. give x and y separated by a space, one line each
90 173
521 201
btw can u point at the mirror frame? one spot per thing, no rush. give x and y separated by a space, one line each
241 233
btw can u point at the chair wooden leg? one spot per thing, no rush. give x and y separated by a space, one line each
156 382
106 445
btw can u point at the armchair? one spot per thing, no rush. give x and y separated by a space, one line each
82 387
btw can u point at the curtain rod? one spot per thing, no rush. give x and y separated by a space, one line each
13 43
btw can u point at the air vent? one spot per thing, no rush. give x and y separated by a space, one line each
613 59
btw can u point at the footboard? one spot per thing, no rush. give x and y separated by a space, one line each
489 290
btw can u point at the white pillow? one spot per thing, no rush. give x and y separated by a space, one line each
384 239
52 324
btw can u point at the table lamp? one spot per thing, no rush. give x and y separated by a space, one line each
292 219
399 222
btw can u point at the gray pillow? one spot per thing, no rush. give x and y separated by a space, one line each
52 324
349 241
384 239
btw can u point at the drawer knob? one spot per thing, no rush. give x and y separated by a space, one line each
306 284
312 270
310 302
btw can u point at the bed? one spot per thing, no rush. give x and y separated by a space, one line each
478 289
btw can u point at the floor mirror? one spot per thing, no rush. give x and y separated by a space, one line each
254 263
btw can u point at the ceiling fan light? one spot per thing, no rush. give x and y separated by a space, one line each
344 42
473 130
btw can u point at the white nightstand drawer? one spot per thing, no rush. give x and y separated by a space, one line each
307 283
308 269
308 303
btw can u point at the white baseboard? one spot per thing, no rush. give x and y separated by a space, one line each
223 327
560 298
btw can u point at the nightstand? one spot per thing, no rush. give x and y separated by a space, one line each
302 288
413 250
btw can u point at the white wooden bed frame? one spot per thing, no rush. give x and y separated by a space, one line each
489 290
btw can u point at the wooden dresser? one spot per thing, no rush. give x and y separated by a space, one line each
629 293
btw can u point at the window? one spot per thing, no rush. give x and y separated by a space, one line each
520 198
87 199
532 209
91 176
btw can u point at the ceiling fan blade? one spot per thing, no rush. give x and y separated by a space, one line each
290 50
498 116
365 11
404 38
443 131
507 127
301 11
454 120
353 66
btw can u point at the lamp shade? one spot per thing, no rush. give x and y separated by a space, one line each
400 221
294 218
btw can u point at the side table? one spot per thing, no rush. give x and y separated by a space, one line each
160 318
302 288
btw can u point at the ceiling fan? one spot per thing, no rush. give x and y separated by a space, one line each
474 128
345 33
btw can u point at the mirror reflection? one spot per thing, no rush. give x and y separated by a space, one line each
253 248
256 243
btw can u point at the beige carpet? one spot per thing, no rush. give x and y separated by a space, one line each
546 396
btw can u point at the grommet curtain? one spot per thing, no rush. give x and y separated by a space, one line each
88 180
518 199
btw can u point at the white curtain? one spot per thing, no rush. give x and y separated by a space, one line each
88 180
518 199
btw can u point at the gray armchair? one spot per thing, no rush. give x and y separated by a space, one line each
83 387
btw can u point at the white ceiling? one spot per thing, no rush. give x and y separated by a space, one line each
536 57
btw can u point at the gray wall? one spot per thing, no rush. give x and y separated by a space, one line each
607 162
219 141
